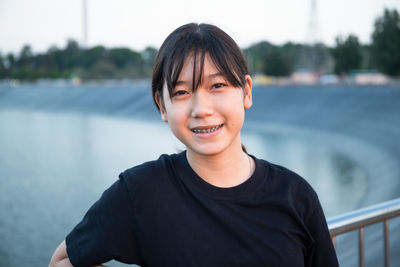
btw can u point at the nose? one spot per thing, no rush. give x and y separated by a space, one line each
202 105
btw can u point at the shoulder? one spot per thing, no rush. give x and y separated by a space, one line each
291 186
293 180
149 174
282 176
148 167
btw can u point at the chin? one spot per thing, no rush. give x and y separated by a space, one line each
207 150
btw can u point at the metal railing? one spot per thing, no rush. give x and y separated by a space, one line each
358 219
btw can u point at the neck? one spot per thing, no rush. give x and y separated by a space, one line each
226 169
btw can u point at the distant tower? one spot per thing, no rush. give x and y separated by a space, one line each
313 25
312 57
85 32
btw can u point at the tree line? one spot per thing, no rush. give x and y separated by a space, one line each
98 62
348 54
93 63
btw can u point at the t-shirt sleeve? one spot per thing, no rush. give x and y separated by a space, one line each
106 232
322 252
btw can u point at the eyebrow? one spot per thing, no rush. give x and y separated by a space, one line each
181 82
217 74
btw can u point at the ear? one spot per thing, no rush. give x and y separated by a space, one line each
248 97
161 107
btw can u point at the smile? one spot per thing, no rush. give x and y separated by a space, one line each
207 130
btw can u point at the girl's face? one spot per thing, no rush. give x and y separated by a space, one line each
207 121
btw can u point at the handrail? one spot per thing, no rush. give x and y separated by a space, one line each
358 219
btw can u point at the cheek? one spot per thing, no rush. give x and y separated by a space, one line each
235 107
235 115
176 117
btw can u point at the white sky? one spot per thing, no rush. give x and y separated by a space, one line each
137 24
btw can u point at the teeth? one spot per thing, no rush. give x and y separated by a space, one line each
209 130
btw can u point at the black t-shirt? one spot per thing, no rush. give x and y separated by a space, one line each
161 213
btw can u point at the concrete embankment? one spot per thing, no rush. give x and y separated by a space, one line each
362 122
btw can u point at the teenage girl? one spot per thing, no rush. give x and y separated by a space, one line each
212 204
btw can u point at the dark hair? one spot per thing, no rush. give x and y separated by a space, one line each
197 40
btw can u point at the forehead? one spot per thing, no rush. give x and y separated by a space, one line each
195 67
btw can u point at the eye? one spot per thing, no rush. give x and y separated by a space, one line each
218 85
178 93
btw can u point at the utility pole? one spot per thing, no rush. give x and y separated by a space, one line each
312 39
84 20
313 25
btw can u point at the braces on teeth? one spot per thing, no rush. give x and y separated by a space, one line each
209 130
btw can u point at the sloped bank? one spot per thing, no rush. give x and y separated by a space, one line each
361 122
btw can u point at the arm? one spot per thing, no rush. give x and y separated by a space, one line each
323 252
60 257
105 233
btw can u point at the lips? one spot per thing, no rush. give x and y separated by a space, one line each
206 129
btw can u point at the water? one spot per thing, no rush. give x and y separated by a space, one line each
54 165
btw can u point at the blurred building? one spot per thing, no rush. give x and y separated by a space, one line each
305 76
369 77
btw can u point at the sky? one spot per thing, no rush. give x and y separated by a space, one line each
138 24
